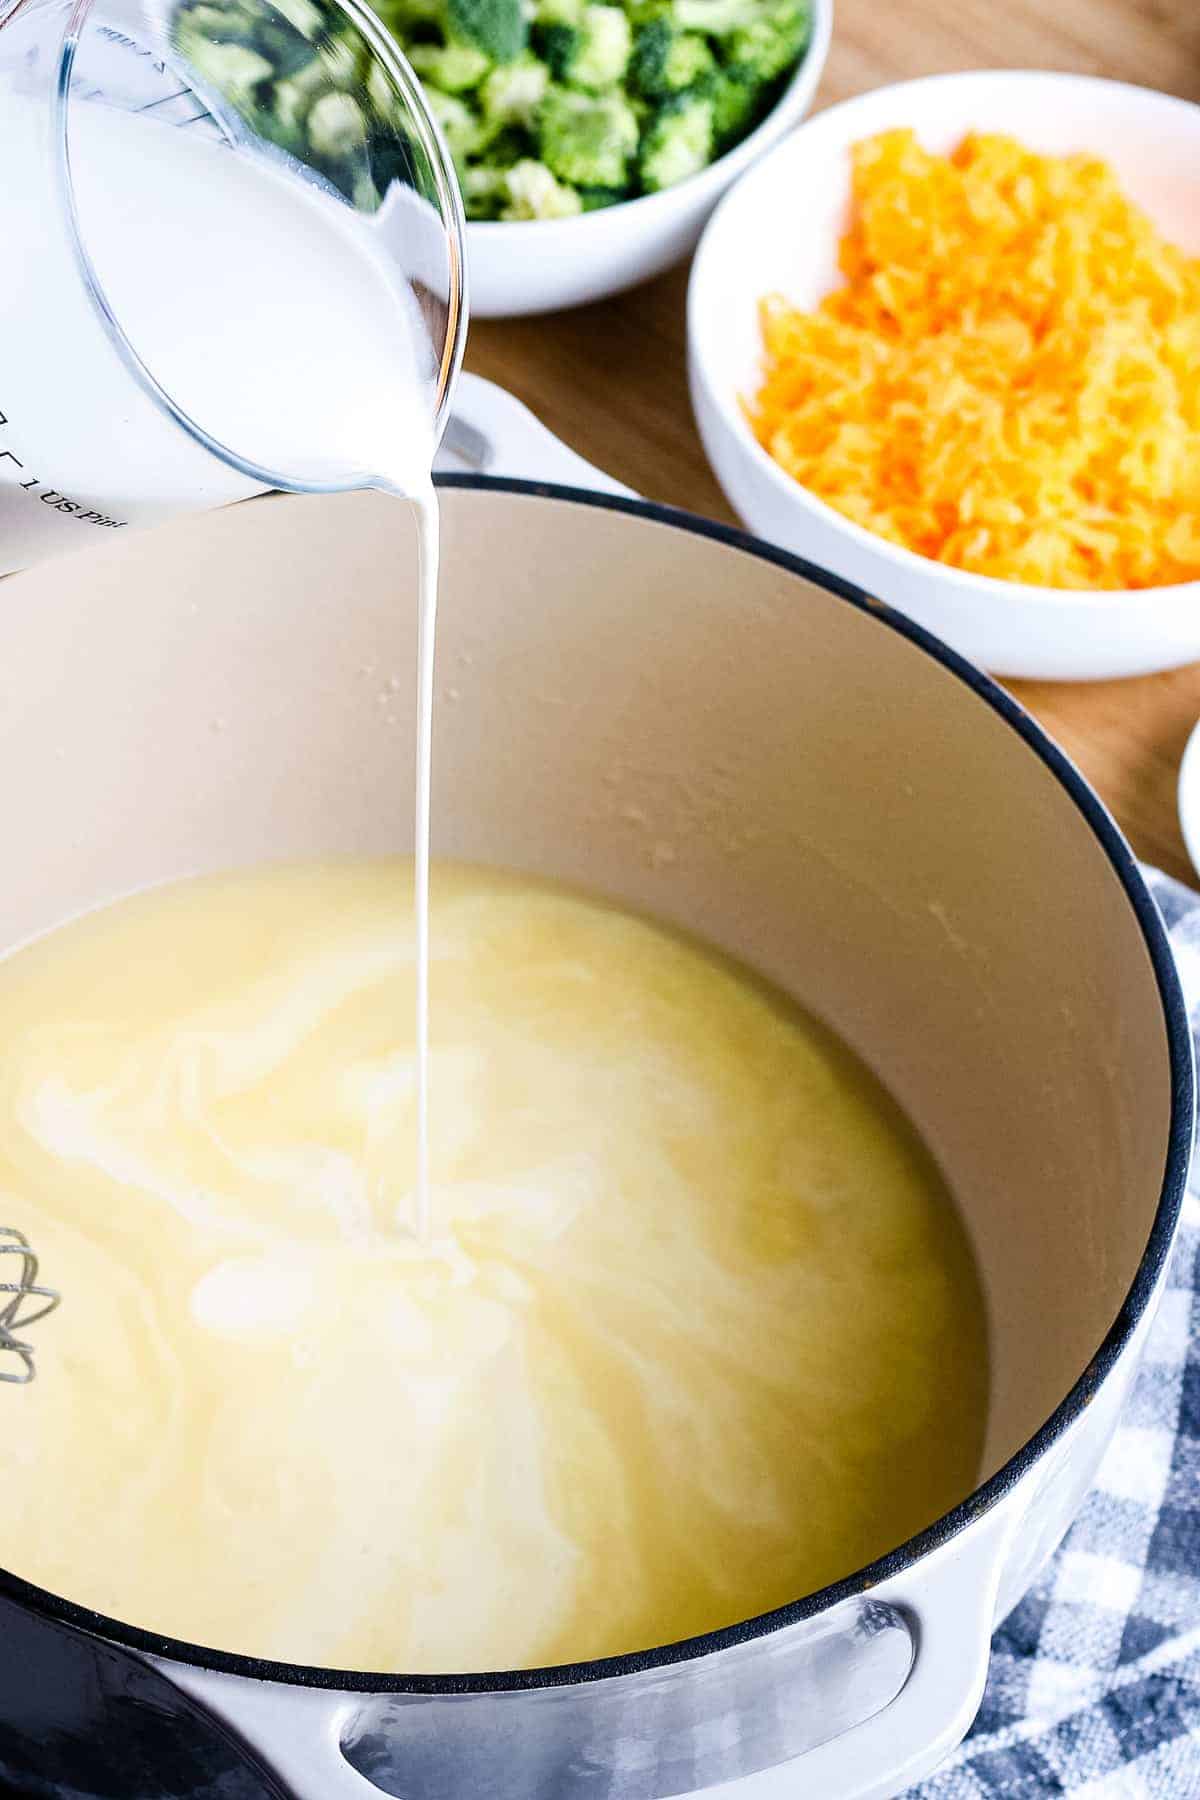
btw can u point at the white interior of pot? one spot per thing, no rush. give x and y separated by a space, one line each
674 723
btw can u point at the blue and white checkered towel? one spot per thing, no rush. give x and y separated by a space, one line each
1094 1688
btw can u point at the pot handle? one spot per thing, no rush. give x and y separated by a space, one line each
490 432
949 1599
295 1733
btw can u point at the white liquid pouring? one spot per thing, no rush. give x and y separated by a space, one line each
268 313
429 528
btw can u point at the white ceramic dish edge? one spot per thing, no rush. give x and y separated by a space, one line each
1188 797
1152 139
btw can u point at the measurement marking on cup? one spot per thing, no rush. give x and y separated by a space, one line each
179 94
58 502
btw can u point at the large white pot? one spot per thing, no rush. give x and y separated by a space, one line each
856 812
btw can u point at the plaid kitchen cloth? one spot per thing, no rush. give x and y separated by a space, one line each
1094 1688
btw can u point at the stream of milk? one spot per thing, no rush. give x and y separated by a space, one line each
276 317
429 526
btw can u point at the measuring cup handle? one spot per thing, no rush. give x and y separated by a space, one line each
489 432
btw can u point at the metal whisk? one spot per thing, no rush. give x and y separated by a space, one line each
12 1319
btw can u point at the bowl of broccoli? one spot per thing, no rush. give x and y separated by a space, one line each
592 138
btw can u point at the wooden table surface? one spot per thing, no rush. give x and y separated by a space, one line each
610 379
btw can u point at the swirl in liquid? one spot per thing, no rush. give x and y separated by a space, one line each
698 1330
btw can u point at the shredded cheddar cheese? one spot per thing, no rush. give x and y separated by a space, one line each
1009 380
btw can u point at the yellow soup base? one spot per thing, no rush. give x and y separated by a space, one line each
698 1330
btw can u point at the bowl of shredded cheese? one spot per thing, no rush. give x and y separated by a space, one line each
945 341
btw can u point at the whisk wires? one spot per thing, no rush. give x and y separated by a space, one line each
22 1303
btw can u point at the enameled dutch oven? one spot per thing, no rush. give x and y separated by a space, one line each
855 811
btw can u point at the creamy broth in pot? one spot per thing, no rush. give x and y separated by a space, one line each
697 1328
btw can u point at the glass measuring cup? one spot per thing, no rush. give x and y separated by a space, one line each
234 261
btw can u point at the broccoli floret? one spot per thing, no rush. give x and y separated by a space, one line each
232 69
462 129
511 144
665 60
485 190
292 101
556 45
772 44
341 63
716 17
587 141
287 50
593 54
336 126
737 95
533 193
382 96
595 198
558 12
331 63
679 142
603 56
217 24
766 36
302 15
641 12
453 67
497 27
512 94
404 18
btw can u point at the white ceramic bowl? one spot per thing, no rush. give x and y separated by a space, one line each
778 231
545 265
1188 797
